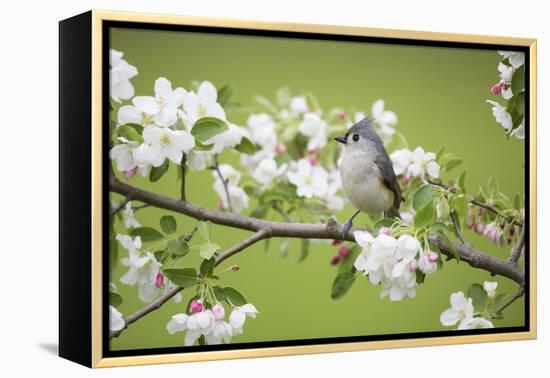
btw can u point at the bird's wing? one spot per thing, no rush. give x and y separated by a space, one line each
383 162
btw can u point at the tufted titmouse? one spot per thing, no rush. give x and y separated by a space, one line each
367 173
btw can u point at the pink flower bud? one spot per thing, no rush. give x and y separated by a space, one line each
479 228
470 223
496 89
221 206
218 311
196 306
336 242
335 260
159 280
412 265
406 179
432 256
311 160
280 148
343 251
342 115
385 231
128 174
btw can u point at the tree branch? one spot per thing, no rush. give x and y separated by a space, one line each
266 229
224 182
157 303
121 205
476 202
516 251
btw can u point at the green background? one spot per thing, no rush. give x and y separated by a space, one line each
439 96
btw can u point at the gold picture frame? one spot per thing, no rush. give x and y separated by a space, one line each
94 25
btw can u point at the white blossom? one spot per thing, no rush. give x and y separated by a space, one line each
461 311
401 160
262 131
385 119
239 314
238 197
116 320
199 160
515 58
120 73
519 132
298 105
127 157
166 143
227 139
128 217
309 180
490 288
316 129
266 172
204 103
476 323
424 162
143 267
159 110
501 115
333 201
506 72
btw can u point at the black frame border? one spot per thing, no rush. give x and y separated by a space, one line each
106 25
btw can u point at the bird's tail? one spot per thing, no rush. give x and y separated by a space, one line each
393 212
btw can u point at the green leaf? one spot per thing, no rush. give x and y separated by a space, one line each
205 230
246 146
183 277
422 196
178 247
283 97
492 185
519 105
478 295
425 216
518 80
259 211
115 299
224 94
234 296
517 201
461 181
207 250
199 146
439 153
265 104
130 133
346 264
208 127
168 224
460 205
341 285
157 172
452 163
219 293
304 251
312 102
207 267
420 277
147 234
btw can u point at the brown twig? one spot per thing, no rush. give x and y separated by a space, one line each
518 294
121 205
157 303
476 202
516 251
224 182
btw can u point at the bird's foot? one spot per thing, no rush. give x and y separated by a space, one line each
346 227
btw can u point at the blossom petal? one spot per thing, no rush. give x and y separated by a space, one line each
449 317
207 91
146 104
177 323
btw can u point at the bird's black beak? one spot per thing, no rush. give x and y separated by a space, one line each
341 139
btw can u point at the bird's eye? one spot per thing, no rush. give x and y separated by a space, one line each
355 137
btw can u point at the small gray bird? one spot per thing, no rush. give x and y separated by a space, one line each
367 173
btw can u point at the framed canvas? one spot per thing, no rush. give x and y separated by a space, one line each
235 189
